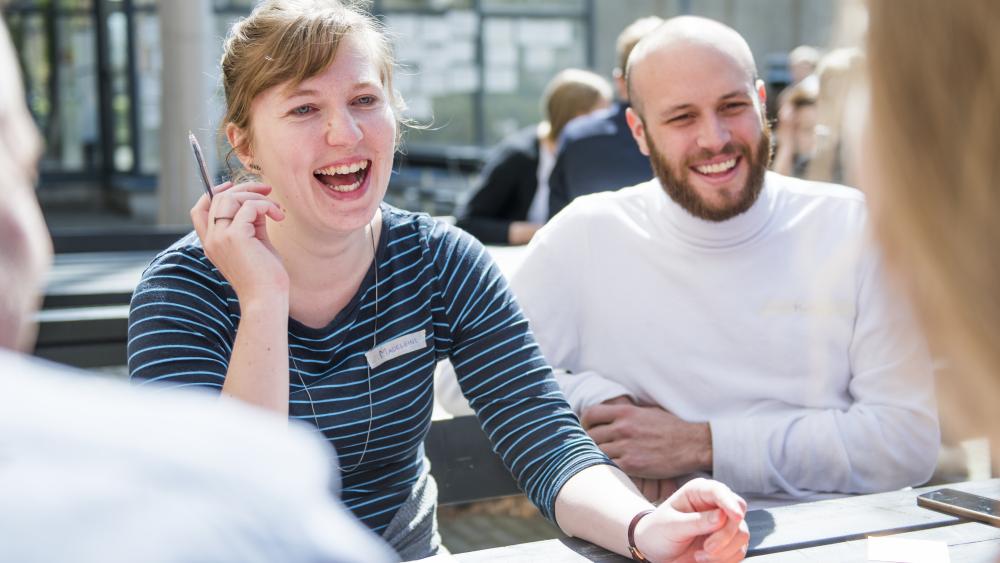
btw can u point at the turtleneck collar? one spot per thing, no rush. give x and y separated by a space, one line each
718 235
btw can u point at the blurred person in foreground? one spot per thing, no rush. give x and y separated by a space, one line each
304 293
724 319
511 199
931 170
93 471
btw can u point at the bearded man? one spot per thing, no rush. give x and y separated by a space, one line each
724 319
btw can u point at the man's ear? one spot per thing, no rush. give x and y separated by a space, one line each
761 92
238 140
638 129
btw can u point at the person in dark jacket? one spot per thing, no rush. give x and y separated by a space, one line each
510 200
596 152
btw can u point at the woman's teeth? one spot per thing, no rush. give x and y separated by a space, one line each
346 187
343 178
717 168
343 168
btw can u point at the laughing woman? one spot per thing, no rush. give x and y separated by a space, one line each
303 293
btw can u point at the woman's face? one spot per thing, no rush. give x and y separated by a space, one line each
326 145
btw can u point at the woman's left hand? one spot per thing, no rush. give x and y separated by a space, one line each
703 521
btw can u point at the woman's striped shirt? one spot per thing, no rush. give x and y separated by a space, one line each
436 285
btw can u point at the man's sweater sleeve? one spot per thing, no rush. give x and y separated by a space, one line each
545 284
887 439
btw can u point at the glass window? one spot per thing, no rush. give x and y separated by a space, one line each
530 6
32 48
234 5
74 4
122 157
149 65
521 55
425 5
438 73
73 131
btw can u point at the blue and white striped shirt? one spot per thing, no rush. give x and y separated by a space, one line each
432 278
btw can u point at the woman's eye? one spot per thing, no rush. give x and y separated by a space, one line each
366 100
302 110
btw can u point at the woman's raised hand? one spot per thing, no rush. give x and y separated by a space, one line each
233 230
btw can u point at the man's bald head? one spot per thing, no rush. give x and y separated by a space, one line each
679 37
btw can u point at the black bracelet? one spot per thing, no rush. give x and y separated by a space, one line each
632 549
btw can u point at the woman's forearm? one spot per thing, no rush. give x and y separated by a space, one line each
597 505
258 367
703 520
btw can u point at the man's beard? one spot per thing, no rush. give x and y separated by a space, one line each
683 193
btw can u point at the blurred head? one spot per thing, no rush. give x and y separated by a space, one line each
698 113
837 104
802 62
25 247
627 40
572 93
311 109
932 176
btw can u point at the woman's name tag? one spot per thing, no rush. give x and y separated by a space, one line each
396 347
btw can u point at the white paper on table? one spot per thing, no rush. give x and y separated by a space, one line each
904 550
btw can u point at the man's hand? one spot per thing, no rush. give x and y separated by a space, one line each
649 442
702 521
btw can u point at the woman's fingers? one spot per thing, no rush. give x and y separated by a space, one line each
735 532
224 208
734 550
257 187
252 211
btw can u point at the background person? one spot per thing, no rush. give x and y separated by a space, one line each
511 199
832 159
795 133
596 152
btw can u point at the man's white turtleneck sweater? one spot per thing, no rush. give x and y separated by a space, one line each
775 327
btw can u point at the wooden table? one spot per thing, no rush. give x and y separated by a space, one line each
830 530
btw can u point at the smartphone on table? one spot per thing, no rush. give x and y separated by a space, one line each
963 505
